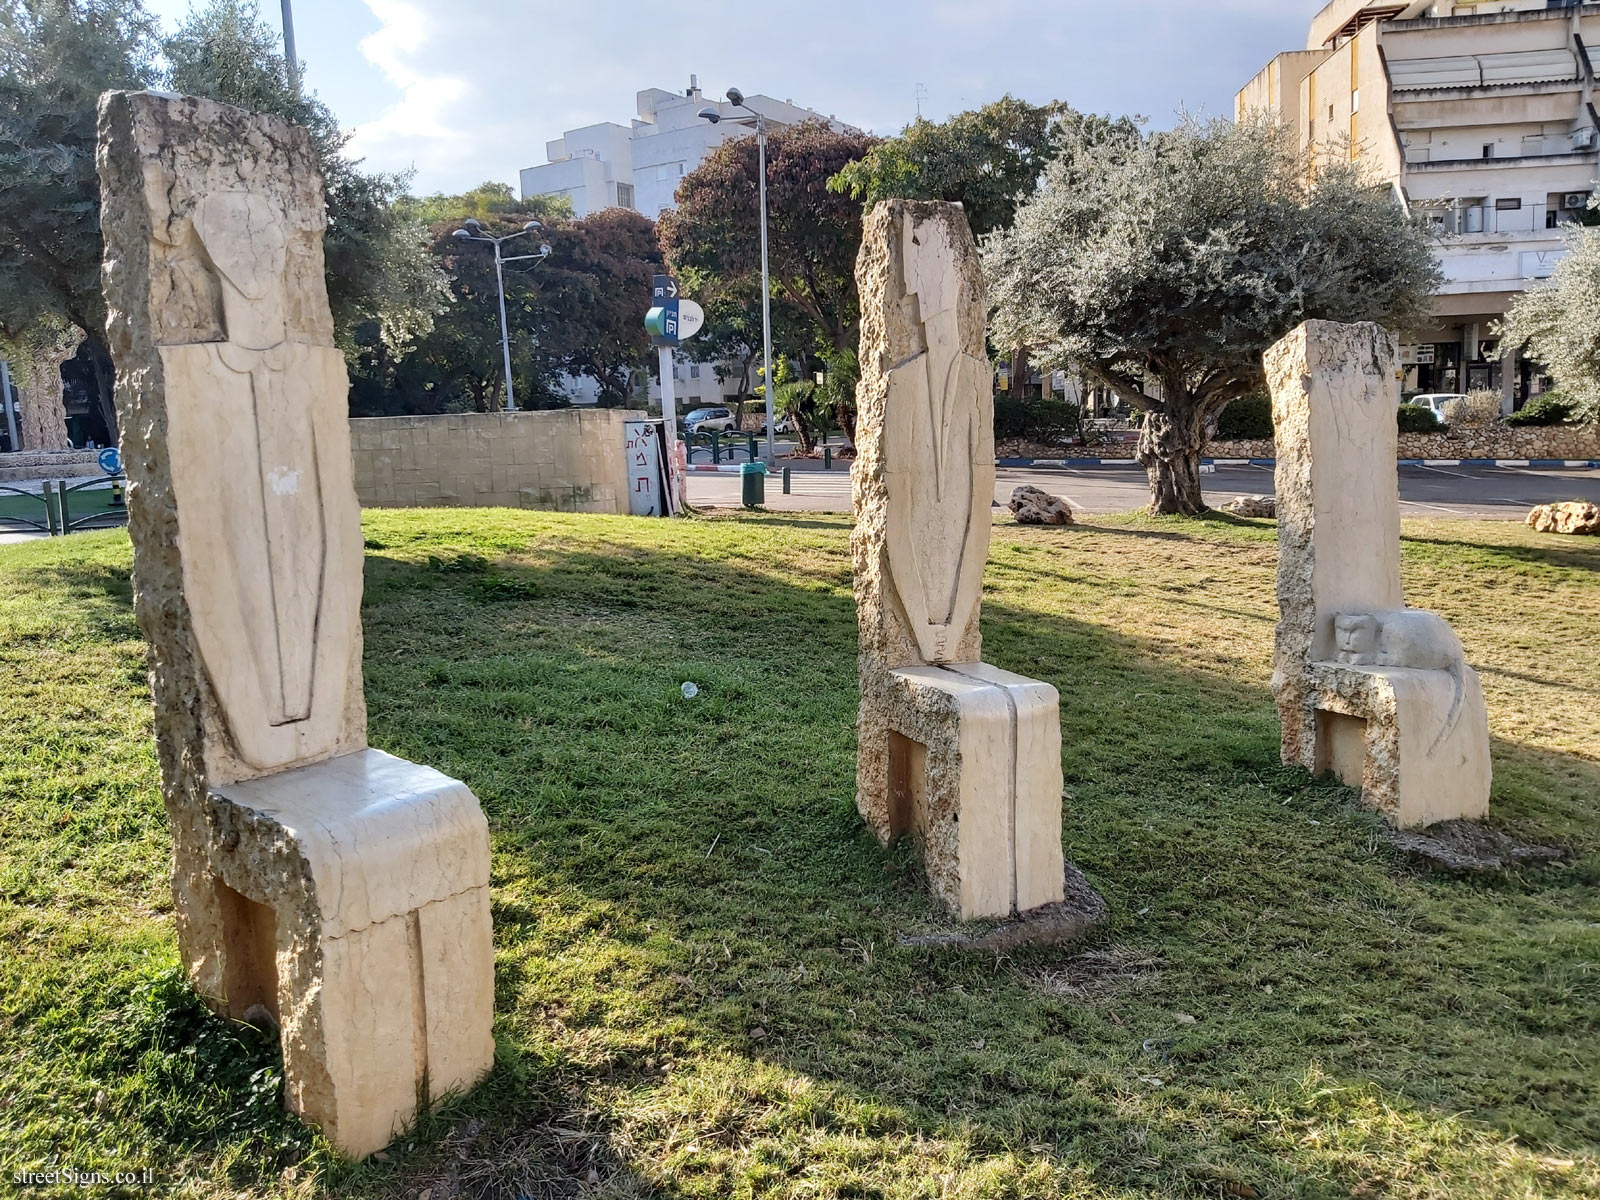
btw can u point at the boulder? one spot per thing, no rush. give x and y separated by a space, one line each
1031 506
1573 516
1252 506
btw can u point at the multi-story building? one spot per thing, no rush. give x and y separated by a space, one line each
639 166
1481 113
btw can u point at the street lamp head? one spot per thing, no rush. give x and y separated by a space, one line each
710 114
544 250
531 227
461 235
472 224
735 96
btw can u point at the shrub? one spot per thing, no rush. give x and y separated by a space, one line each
1248 418
1552 408
1479 410
1415 418
1051 421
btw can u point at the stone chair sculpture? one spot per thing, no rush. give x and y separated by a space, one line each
336 891
1377 693
962 755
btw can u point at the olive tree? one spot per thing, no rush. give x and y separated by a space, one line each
1559 320
1162 265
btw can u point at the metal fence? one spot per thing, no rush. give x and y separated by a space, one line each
59 508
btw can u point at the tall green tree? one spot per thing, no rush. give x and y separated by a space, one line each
56 57
1163 265
1559 322
578 312
813 234
380 270
989 160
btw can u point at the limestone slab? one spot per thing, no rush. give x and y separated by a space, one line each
959 755
340 889
1379 694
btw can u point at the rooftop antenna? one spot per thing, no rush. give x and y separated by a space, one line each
921 95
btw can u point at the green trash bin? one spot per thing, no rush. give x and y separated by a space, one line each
753 483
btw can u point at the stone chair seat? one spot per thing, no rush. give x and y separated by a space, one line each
1379 729
355 893
975 774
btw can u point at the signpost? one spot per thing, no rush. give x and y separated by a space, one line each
671 320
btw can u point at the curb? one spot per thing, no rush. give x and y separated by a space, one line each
1537 463
1544 464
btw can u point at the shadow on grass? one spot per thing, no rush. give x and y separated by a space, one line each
697 974
690 915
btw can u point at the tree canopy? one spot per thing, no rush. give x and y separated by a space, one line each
1163 265
813 234
989 160
1559 320
579 312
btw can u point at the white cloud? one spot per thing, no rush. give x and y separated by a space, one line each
482 86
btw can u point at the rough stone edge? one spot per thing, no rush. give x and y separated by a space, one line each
1077 916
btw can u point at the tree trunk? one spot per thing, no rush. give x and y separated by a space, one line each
105 381
1020 371
1170 443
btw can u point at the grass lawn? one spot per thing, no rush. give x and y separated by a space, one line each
699 989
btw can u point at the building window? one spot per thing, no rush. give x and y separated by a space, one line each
1488 150
1512 204
625 195
694 370
1355 101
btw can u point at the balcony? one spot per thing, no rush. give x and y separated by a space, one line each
1573 158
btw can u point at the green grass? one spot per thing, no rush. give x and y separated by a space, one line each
699 990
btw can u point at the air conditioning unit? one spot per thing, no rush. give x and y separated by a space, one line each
1575 201
1583 139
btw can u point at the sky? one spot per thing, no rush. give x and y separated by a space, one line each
463 92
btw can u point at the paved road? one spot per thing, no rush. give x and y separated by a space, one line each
1492 493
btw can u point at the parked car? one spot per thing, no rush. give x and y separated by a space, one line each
708 420
1435 402
784 425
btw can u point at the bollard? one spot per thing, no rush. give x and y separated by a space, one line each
119 493
827 458
716 448
47 490
753 483
788 473
752 447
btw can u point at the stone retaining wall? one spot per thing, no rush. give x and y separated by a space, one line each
1496 441
27 466
568 459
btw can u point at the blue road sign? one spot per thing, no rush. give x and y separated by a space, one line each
110 461
662 319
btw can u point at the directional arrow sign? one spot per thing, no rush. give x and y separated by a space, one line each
665 289
691 318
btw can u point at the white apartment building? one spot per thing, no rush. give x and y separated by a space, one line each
638 166
1482 115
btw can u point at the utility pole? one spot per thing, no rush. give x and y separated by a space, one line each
288 46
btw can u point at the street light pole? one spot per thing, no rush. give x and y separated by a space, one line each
505 330
288 46
766 299
736 98
473 232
